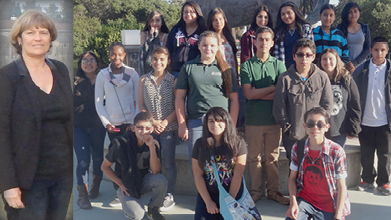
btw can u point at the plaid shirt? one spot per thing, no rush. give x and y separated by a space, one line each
279 49
334 161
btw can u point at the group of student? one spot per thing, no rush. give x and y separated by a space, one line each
189 88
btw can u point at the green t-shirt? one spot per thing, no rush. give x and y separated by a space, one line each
260 75
204 85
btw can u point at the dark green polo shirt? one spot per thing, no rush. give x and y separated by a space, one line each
204 85
260 75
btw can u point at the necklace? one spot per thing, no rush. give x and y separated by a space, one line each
292 32
313 161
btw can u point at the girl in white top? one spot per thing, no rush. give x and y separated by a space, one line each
116 90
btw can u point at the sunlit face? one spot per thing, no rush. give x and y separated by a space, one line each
160 61
156 22
328 61
288 16
142 128
189 14
35 41
379 52
117 56
89 64
304 57
218 22
262 18
316 131
354 15
264 42
327 17
208 48
216 128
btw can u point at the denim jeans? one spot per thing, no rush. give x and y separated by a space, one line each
340 139
167 141
176 74
154 183
47 199
195 132
308 211
88 142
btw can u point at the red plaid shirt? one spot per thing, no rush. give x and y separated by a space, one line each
334 161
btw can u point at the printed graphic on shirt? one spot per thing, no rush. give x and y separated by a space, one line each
338 99
224 170
181 39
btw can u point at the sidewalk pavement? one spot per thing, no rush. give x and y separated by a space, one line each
365 205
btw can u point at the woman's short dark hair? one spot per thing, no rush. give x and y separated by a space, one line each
200 17
281 27
163 28
116 43
230 137
80 72
254 25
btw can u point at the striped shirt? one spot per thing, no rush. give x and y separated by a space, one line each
335 40
334 161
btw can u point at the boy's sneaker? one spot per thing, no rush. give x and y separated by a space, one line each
154 214
115 202
385 189
168 203
364 186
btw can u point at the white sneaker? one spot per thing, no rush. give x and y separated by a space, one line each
168 203
115 202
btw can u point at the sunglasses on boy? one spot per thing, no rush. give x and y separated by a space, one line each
140 128
319 124
306 55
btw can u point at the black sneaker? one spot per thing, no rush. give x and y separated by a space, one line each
168 203
154 214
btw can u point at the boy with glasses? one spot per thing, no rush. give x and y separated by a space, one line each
302 87
138 156
317 185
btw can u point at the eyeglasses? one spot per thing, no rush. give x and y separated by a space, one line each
140 128
306 55
88 61
319 124
189 12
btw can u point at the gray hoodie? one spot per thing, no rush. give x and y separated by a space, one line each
294 97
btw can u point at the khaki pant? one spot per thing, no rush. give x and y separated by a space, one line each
263 139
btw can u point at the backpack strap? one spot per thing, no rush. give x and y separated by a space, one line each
300 152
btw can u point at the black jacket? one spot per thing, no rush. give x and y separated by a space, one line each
361 77
20 122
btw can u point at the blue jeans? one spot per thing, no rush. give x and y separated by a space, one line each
176 74
195 132
86 142
308 211
242 109
47 199
167 141
156 184
340 139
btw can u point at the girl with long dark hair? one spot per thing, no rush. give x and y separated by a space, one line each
207 81
261 18
290 26
153 35
220 140
183 37
357 35
217 22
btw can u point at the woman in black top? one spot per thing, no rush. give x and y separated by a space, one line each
183 37
89 133
36 119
